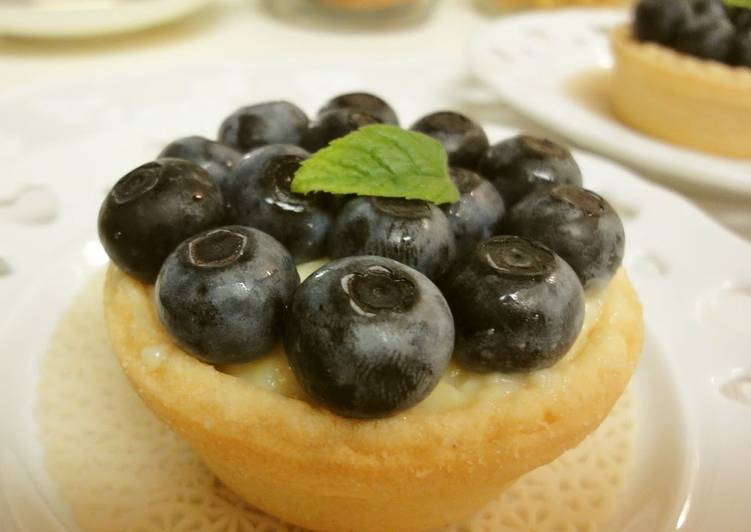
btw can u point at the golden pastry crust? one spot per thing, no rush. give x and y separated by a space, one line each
700 104
413 471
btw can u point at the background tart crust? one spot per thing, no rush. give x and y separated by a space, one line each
705 105
412 471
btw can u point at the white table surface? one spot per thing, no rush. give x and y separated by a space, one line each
243 30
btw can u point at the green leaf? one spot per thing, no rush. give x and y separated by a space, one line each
738 3
380 160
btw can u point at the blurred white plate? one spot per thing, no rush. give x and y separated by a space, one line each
553 67
88 18
65 145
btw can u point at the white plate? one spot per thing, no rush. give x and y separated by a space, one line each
550 66
692 387
88 18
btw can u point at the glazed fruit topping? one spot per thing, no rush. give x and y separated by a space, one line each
517 306
334 124
259 193
519 165
265 123
478 212
576 223
709 37
661 20
368 336
222 293
152 209
216 158
707 29
413 232
742 48
365 103
464 140
741 18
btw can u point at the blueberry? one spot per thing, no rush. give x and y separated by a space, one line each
577 224
334 124
260 195
517 306
415 233
216 158
476 215
364 102
518 165
661 20
741 18
367 336
222 293
152 209
707 9
708 38
741 55
265 123
464 140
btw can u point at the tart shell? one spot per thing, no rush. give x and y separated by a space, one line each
700 104
413 471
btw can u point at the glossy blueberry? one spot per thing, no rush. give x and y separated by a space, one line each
741 55
152 209
706 9
478 212
364 102
518 165
517 306
368 336
216 158
741 18
259 192
265 123
415 233
577 224
464 140
661 20
334 124
707 38
222 293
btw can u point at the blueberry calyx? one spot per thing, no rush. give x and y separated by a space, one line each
379 289
516 256
590 203
217 248
136 183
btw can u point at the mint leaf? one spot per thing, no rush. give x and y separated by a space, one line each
379 160
738 3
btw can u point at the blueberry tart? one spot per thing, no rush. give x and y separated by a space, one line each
398 384
683 74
